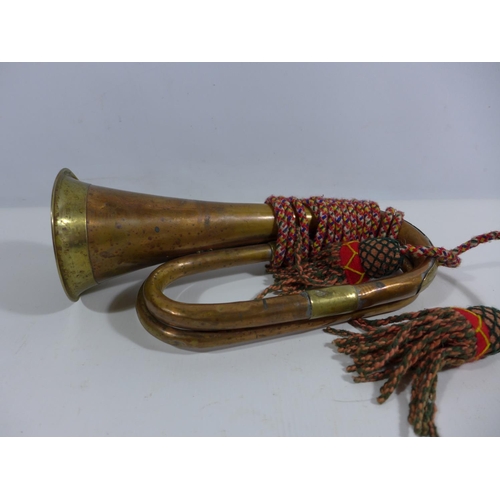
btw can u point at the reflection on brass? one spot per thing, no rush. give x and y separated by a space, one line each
333 300
99 233
213 339
216 325
428 276
69 233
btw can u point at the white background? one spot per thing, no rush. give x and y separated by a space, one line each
421 137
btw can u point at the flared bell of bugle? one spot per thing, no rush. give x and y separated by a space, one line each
99 233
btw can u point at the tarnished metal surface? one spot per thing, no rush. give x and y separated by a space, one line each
128 231
218 325
333 300
234 315
99 233
69 233
214 339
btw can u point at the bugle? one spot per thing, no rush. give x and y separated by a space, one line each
99 233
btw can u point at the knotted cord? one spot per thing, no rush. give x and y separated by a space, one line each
450 258
305 258
338 220
418 344
308 250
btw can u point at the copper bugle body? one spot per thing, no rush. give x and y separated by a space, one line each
99 233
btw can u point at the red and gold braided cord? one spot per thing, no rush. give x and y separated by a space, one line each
450 258
338 220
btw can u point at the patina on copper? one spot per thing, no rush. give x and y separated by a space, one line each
100 233
201 326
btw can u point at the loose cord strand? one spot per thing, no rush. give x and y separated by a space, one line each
450 258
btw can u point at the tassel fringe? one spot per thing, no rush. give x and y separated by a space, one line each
419 345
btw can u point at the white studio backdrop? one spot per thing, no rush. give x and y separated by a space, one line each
424 138
239 132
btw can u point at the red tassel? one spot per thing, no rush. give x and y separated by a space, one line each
419 345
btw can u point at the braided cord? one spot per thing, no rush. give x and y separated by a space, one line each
337 220
450 258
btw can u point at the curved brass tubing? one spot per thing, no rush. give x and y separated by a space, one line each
201 326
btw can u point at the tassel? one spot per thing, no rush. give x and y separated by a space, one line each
352 262
355 262
351 243
419 345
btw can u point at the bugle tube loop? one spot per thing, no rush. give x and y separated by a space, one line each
216 325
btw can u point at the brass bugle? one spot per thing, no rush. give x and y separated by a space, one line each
99 233
202 326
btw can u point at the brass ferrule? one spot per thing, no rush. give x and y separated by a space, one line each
332 301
